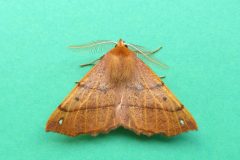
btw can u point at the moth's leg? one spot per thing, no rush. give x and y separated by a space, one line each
148 52
91 63
162 77
155 51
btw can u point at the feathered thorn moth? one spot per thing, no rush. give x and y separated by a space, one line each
120 90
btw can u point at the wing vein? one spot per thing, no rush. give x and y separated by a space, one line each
155 99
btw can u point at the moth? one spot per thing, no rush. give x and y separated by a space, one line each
121 91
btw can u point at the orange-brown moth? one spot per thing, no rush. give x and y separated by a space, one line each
120 90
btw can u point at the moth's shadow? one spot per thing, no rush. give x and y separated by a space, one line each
123 134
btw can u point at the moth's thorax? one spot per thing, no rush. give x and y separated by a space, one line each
120 63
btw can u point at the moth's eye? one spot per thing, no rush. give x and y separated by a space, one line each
126 46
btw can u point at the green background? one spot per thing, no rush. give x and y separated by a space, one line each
37 70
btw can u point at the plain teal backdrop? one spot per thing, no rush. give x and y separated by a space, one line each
201 45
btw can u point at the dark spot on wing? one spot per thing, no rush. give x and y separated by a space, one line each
164 98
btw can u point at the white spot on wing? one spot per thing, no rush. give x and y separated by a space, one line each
181 122
60 122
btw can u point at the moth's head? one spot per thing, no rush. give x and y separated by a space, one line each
121 49
121 43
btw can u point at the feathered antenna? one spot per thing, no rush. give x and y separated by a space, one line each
147 54
96 47
92 44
